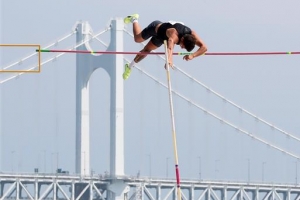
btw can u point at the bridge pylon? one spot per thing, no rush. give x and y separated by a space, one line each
86 64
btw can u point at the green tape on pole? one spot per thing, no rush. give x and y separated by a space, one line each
184 53
43 50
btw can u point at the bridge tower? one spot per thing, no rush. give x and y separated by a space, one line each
86 64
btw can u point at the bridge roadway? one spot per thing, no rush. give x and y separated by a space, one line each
74 187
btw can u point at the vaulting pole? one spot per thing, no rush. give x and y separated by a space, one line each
173 123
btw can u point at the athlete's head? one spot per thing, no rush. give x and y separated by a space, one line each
188 42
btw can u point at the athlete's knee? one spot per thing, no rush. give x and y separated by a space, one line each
138 39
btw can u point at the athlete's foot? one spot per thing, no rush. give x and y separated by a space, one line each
130 18
127 72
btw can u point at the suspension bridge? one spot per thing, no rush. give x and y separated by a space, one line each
116 184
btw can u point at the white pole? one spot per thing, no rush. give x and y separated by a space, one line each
173 122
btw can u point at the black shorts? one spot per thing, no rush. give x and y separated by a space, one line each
149 31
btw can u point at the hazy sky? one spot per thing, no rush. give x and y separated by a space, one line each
38 111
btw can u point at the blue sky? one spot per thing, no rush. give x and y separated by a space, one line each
40 109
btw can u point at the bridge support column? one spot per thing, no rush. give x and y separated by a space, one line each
113 64
118 190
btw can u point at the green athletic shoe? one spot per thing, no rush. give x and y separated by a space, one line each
127 72
129 18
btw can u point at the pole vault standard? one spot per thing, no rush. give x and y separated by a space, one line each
174 53
173 122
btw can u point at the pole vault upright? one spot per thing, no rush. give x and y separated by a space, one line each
86 64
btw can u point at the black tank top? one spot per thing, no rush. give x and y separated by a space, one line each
180 28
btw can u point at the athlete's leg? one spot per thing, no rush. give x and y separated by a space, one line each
137 32
146 33
140 36
135 26
148 48
153 44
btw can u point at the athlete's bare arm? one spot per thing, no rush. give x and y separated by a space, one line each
200 51
173 39
199 42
